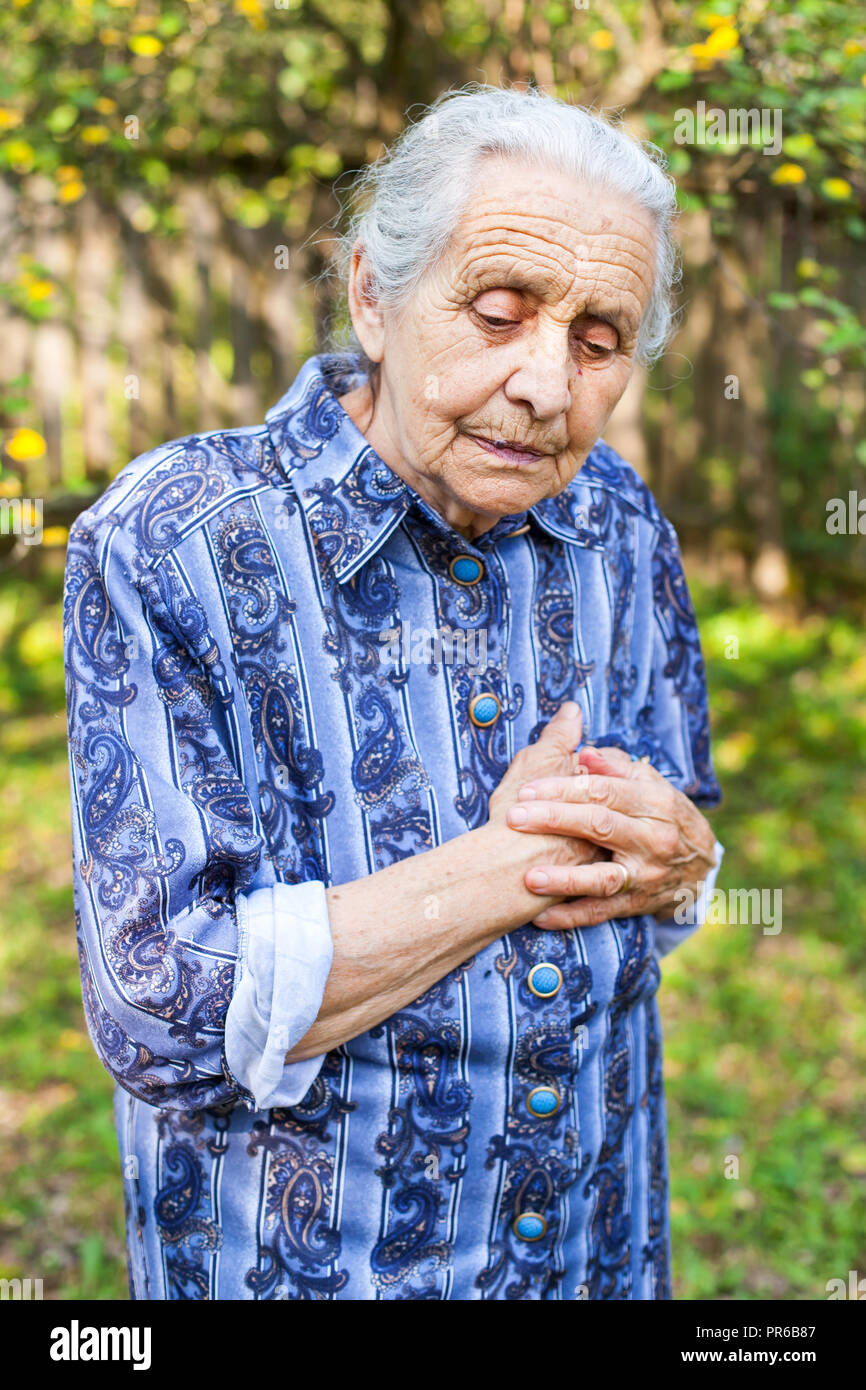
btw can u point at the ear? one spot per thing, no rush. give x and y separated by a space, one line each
367 317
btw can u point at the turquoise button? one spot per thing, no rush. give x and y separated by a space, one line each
529 1226
466 569
545 979
543 1101
484 710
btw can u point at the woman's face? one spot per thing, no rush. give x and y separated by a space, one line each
503 370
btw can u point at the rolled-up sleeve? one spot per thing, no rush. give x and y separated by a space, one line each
285 953
197 977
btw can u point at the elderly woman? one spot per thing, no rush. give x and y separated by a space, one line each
369 912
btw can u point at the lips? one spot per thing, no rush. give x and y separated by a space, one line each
512 453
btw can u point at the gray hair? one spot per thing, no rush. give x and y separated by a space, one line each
410 199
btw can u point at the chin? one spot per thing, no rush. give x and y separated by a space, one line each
503 502
505 495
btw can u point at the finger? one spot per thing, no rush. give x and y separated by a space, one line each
613 762
586 912
632 798
599 824
565 730
598 880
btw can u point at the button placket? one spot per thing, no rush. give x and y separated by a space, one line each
485 706
545 1099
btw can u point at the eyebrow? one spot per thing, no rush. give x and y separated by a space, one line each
618 319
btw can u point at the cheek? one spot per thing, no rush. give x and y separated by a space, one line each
602 389
455 385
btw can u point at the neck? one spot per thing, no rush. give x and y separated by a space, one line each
361 407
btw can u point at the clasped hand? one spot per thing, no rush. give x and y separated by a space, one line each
627 842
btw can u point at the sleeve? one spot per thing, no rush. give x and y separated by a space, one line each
678 703
679 707
196 979
284 956
673 931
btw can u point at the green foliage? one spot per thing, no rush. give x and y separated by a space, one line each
765 1041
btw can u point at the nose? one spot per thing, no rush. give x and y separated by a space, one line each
542 380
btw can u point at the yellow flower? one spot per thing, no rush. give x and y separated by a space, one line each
714 20
836 188
71 192
105 106
788 173
9 118
10 487
65 173
146 45
55 535
603 40
253 11
40 289
19 154
25 445
722 40
807 269
853 46
94 134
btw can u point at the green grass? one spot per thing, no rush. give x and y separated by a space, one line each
765 1035
61 1198
765 1038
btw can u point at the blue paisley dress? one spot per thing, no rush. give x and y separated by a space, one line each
243 732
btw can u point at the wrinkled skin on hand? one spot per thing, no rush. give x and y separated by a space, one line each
654 831
553 755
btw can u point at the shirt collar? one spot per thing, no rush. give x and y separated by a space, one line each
351 499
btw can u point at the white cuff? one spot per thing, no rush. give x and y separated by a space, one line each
285 953
692 914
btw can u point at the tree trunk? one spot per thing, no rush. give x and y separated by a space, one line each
95 264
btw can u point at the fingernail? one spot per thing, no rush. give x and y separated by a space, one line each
518 815
542 918
538 878
527 793
571 708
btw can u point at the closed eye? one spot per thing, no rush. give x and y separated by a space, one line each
594 352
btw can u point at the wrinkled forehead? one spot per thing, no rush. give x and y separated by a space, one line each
551 234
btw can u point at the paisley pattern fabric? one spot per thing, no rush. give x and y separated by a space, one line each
236 720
